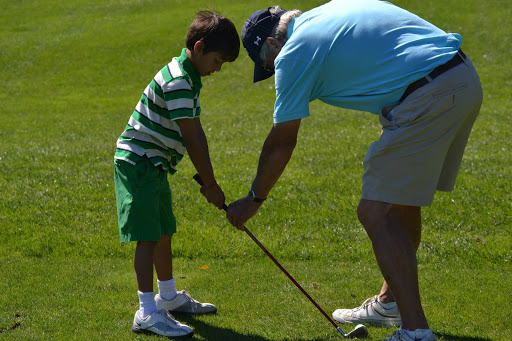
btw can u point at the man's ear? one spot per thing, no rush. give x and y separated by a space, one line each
199 47
274 42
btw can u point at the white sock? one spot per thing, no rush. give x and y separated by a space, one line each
147 304
389 305
167 289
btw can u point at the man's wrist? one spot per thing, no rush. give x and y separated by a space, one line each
252 196
213 184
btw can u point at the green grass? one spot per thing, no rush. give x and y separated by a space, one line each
71 74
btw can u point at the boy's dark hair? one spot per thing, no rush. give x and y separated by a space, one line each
218 34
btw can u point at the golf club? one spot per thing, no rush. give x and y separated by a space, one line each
359 331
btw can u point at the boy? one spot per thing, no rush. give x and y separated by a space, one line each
163 127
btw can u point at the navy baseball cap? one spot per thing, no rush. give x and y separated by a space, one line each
254 33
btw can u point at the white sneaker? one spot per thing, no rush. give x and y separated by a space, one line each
162 323
370 312
184 303
401 335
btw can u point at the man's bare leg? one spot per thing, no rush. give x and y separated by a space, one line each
395 232
385 295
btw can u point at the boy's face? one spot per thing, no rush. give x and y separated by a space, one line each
205 64
209 63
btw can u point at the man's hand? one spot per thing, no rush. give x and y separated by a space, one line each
240 211
214 194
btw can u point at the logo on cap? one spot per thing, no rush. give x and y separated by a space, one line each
256 42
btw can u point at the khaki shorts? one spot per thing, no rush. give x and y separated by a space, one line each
423 140
144 201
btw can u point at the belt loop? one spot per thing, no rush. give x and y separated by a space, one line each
427 77
462 55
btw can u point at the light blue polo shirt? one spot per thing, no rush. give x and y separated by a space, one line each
355 54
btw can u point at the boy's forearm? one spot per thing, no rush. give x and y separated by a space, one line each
204 165
203 141
201 160
197 149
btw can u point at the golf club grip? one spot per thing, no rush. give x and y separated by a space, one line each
200 182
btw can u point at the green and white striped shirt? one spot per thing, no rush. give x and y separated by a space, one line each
152 130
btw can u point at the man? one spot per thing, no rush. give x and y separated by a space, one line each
372 56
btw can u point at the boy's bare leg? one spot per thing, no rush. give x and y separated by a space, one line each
163 258
143 264
395 232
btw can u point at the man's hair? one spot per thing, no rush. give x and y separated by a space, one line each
218 34
280 30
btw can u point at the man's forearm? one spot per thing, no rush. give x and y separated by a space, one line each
275 154
271 165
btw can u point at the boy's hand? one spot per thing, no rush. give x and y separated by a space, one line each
214 194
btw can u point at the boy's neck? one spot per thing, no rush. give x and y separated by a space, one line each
190 55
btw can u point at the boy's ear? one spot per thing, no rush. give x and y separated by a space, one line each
199 47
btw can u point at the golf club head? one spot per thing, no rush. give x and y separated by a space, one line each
359 331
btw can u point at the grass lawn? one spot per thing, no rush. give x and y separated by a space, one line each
71 75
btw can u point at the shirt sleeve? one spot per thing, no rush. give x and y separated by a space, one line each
295 81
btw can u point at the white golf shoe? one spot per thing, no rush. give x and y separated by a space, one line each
184 303
401 335
370 312
161 323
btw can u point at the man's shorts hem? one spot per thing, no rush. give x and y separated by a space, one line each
419 202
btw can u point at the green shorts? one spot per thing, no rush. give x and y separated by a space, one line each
144 201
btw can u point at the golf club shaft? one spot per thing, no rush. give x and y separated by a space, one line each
289 276
225 208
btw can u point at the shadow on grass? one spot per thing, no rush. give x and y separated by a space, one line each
450 337
214 333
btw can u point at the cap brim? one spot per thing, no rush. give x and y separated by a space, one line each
260 73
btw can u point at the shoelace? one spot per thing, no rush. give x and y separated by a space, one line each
171 317
398 335
365 304
193 302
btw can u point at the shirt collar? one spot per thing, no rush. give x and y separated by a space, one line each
291 26
187 66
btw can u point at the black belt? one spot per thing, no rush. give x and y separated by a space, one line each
456 60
